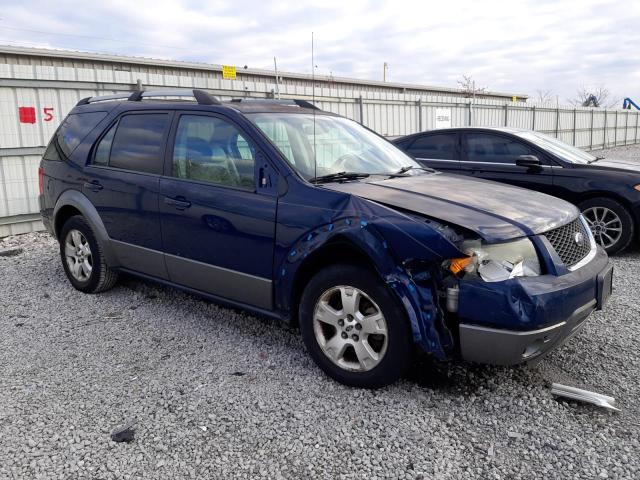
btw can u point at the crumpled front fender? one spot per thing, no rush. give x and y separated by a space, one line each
392 242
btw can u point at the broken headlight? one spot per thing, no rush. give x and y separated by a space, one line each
500 261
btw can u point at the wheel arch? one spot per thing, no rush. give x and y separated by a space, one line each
73 202
338 250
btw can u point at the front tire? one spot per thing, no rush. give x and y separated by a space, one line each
610 222
82 258
353 327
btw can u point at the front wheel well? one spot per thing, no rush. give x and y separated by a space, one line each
64 214
336 252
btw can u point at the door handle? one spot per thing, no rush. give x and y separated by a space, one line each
94 186
179 203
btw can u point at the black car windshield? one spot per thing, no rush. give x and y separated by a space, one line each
333 145
566 152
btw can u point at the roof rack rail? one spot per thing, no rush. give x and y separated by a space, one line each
202 97
300 103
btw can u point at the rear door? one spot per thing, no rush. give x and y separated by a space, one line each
436 150
492 156
218 220
122 182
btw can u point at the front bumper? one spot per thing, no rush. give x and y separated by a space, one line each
522 319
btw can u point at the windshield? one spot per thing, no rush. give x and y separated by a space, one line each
340 145
555 146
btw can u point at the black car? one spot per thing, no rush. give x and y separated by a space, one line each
607 191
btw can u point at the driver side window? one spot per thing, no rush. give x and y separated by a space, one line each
209 149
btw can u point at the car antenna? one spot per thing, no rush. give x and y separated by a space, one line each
313 96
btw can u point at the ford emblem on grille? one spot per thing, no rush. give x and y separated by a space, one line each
579 238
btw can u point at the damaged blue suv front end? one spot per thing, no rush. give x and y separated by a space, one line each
494 273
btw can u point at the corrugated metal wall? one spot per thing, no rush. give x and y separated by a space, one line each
35 98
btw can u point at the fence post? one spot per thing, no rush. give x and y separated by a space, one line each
635 138
506 114
615 131
626 127
591 132
361 110
533 122
470 114
557 121
575 117
420 114
604 132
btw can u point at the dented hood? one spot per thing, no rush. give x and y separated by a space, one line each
494 211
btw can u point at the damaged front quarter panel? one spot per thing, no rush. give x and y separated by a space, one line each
405 250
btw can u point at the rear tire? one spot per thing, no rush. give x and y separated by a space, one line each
610 222
353 327
82 258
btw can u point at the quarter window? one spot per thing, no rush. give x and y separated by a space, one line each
209 149
440 146
75 127
137 143
494 148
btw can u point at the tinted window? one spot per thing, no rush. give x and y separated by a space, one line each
440 146
494 148
137 144
209 149
104 148
75 127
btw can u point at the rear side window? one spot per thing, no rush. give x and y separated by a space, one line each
74 128
135 143
494 148
441 146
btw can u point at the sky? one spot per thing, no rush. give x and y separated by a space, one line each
515 46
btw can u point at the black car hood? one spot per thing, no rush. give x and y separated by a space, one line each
618 164
493 210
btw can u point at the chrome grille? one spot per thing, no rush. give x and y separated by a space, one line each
571 242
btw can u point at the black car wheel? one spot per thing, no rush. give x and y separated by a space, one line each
353 327
610 223
82 258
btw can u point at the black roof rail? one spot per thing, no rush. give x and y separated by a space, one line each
202 97
300 103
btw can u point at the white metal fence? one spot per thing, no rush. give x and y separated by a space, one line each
34 99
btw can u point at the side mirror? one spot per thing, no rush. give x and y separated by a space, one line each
529 161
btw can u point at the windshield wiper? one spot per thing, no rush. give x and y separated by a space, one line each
336 177
595 160
405 169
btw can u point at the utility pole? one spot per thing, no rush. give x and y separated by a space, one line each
385 68
275 67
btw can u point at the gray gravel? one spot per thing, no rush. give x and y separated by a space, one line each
217 393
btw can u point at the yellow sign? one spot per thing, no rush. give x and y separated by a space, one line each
228 72
514 98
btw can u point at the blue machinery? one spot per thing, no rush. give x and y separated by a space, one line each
628 103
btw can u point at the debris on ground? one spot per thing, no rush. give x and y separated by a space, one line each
586 396
10 252
124 433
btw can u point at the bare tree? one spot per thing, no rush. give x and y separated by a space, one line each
544 96
468 87
594 97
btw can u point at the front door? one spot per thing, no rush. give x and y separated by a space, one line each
218 224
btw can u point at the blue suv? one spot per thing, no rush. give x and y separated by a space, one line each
295 213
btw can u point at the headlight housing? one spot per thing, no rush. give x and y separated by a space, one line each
500 261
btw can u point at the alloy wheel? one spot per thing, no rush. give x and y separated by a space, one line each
350 328
78 255
605 225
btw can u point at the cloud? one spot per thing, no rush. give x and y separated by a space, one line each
518 46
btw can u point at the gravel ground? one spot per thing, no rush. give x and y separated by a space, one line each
217 393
